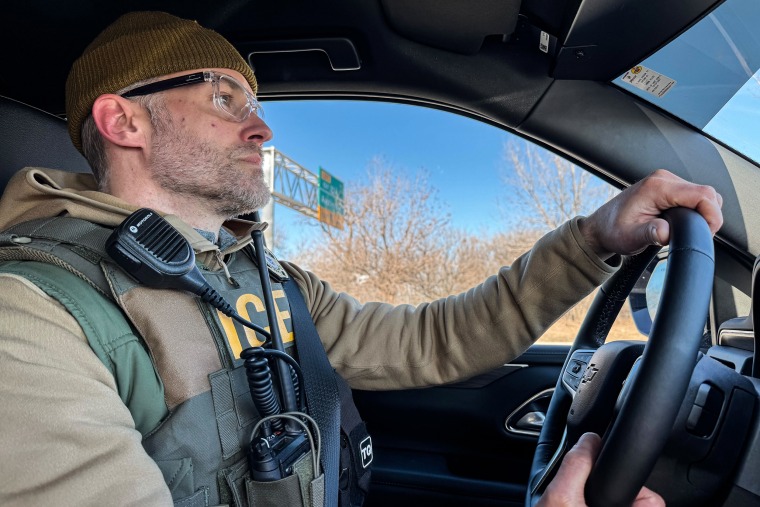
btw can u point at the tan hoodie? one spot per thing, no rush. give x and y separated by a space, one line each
69 437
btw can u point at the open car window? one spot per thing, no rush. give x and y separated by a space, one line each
434 202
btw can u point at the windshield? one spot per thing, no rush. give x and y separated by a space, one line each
708 76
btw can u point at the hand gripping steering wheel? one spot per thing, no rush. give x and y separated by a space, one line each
586 397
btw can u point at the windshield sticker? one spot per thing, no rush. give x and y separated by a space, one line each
648 80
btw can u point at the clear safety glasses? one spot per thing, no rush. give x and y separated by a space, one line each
230 98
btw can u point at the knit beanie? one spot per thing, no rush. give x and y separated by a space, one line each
139 46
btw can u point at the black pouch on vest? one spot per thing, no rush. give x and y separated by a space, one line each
355 451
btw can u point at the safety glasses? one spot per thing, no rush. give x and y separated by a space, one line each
230 98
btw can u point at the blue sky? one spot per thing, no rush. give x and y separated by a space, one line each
737 122
463 157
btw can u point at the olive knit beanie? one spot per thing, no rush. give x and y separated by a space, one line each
139 46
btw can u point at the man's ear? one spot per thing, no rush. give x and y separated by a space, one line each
121 121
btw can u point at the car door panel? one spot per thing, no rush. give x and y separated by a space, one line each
449 445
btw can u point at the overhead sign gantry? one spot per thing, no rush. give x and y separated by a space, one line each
292 185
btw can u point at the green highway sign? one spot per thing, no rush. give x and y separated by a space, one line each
330 199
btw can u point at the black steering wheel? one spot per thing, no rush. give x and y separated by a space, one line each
586 396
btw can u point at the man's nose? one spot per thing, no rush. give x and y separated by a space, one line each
256 130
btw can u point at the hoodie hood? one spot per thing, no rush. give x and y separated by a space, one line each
34 193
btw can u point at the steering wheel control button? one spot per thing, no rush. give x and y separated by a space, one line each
706 411
693 421
571 380
709 397
576 368
701 422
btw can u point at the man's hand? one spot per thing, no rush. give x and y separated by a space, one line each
631 221
566 490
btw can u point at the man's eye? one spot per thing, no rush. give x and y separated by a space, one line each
226 99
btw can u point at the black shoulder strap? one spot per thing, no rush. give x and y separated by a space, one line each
320 386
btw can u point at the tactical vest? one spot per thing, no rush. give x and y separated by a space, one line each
194 409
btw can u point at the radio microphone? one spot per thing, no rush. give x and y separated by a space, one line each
152 251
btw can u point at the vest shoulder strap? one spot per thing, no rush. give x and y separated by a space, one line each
109 335
76 245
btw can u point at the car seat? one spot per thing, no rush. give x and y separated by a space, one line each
32 137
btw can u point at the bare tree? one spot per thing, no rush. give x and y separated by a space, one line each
479 256
398 244
394 230
549 189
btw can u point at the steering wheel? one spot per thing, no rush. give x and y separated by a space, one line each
586 396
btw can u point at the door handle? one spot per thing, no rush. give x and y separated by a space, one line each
532 421
528 418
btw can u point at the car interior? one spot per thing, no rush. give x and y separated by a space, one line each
686 421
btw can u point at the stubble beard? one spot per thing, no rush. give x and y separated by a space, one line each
187 166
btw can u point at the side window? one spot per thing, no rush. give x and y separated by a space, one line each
415 203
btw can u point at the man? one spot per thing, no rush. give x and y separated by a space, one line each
165 112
